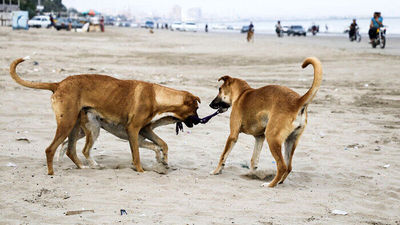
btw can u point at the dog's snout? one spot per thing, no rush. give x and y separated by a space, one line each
214 104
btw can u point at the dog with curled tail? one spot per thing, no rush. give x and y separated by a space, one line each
275 113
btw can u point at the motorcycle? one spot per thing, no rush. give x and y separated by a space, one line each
380 38
356 36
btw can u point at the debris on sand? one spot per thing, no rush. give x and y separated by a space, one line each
123 211
10 164
244 165
339 212
386 166
76 212
23 139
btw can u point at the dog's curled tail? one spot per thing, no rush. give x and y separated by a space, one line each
307 97
38 85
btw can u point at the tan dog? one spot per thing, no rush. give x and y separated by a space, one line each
250 35
129 103
89 124
273 112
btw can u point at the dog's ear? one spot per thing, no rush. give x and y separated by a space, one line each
197 99
225 78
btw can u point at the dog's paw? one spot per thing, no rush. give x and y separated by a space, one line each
215 172
266 184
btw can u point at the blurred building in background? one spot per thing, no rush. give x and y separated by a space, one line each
176 13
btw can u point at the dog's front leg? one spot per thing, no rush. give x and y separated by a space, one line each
148 133
230 143
133 133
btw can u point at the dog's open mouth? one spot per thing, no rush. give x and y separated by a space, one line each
220 105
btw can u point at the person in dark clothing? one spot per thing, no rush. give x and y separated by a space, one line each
206 28
353 27
52 21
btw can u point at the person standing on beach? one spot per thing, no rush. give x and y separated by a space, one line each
102 24
278 29
250 32
376 22
353 27
206 28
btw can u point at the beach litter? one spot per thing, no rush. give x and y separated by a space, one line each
339 212
243 165
23 139
76 212
386 166
123 211
10 164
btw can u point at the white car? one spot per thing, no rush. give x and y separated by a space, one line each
177 26
40 21
190 26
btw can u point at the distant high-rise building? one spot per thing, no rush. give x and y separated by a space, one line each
176 13
194 14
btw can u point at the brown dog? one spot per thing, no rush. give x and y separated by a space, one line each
129 103
273 112
89 124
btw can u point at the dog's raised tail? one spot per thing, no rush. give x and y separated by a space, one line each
38 85
307 97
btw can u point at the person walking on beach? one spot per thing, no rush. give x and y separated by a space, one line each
278 29
376 22
52 21
250 32
206 28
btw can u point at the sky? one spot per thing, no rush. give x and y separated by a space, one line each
252 9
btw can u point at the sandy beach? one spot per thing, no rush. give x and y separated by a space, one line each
347 159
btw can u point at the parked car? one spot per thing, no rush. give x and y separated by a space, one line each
40 21
190 26
63 23
177 26
296 30
244 29
285 29
149 24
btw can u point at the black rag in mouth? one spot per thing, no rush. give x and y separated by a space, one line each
220 105
194 120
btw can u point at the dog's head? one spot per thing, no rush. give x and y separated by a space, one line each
188 111
224 98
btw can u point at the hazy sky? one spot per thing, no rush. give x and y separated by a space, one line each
246 8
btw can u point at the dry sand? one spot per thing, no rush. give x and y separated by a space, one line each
352 132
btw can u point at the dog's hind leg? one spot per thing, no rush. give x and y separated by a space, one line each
148 133
275 134
91 128
151 146
64 146
259 141
71 150
290 145
66 117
